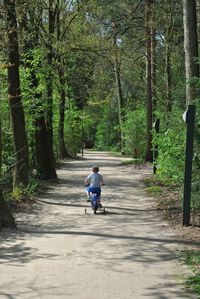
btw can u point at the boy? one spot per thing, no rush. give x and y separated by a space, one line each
94 182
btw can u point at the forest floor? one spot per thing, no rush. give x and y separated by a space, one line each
58 251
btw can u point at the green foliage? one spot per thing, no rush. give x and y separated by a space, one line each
192 258
134 130
73 130
8 158
171 144
130 162
107 134
89 123
154 189
82 48
18 194
21 193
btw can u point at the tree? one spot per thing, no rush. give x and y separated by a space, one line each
117 71
15 100
149 65
32 61
0 145
52 11
191 48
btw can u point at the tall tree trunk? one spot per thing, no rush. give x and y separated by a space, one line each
49 118
191 48
62 148
118 84
149 105
168 77
42 150
44 159
6 217
0 146
15 101
198 19
153 60
168 49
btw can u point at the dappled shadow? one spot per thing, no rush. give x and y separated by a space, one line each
38 291
128 237
20 253
166 289
135 250
109 236
4 295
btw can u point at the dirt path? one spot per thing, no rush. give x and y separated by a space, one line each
59 252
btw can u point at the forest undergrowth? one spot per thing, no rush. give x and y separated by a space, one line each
169 203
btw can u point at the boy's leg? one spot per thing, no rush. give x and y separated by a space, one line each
99 198
88 194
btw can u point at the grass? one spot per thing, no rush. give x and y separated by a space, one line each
192 259
154 189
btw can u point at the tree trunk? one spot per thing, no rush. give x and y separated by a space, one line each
6 217
62 148
191 48
42 150
0 146
43 154
120 99
15 101
153 61
168 77
168 50
49 117
149 152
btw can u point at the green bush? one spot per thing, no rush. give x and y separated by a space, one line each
134 131
192 259
73 131
171 148
21 193
107 132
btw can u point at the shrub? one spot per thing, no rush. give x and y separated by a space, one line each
171 145
134 130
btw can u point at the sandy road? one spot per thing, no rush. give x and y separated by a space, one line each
59 252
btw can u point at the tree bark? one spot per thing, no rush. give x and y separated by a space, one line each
168 49
153 60
0 146
191 48
168 77
117 71
62 148
42 150
44 159
61 125
149 104
44 153
51 28
15 101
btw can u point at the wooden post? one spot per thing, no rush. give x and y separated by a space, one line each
190 120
